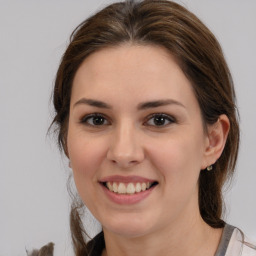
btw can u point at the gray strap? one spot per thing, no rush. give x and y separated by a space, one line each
225 239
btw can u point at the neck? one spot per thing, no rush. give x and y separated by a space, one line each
190 237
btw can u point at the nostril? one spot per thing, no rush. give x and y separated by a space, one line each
124 162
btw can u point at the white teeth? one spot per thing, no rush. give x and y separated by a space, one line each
115 188
110 187
130 188
143 186
138 187
121 189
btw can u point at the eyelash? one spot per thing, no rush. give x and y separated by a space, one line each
164 117
86 118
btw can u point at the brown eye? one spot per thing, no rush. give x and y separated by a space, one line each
160 120
95 120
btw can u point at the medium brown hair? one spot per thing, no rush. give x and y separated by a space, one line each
198 53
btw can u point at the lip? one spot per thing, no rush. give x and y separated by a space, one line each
125 179
124 199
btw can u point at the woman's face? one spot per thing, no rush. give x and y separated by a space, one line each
135 127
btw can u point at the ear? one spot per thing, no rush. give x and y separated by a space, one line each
217 134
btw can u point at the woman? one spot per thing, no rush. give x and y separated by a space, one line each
145 111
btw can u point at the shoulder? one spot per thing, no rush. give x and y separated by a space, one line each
249 247
240 245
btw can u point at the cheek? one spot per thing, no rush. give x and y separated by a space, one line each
178 159
86 156
178 162
177 152
84 152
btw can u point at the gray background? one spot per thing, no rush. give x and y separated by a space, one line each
33 199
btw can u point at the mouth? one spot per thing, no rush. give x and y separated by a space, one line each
130 188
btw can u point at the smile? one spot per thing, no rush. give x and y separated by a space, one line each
128 188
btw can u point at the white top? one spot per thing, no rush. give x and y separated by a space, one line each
235 243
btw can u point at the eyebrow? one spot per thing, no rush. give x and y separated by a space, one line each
141 106
93 103
159 103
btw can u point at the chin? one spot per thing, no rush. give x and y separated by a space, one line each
130 228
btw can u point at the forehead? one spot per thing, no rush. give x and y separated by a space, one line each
127 59
132 71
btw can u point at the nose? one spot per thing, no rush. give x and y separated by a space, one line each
125 149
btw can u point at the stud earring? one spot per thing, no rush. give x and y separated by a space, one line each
209 168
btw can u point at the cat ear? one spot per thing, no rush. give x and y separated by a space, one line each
32 253
46 250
